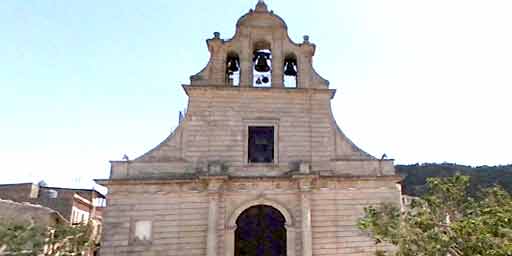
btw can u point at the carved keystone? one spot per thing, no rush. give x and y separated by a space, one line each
305 168
215 168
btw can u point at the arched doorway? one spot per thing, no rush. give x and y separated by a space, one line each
260 231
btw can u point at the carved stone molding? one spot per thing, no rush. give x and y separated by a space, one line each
258 186
305 182
230 227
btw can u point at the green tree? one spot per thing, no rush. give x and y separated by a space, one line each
21 238
28 238
446 221
69 240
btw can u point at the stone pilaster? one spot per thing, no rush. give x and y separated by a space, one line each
305 201
277 63
211 243
214 185
246 64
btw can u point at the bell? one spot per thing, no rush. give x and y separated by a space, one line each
261 64
232 65
289 69
258 81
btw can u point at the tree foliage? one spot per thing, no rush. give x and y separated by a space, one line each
69 240
21 238
28 238
446 220
416 175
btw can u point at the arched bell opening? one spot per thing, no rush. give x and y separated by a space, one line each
233 69
260 231
262 65
290 70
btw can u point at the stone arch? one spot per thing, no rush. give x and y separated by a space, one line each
230 228
260 228
233 68
262 63
290 58
261 44
260 201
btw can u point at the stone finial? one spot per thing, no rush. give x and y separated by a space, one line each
261 6
215 43
309 47
306 39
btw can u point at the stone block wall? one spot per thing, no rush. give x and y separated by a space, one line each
11 211
215 129
217 117
181 212
335 214
19 192
179 216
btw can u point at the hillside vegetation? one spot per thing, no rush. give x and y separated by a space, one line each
415 176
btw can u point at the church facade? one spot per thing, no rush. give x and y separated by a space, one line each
257 166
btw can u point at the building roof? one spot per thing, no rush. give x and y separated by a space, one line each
56 188
13 184
30 205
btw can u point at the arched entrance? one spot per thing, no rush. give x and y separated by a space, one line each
260 231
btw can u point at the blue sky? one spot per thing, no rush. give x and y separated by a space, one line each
84 82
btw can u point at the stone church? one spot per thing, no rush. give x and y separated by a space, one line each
257 165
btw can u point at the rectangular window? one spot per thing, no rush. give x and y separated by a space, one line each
261 144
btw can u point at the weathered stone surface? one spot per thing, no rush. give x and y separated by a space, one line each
11 211
194 185
180 220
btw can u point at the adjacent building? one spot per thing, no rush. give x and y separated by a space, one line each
75 205
27 212
49 206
